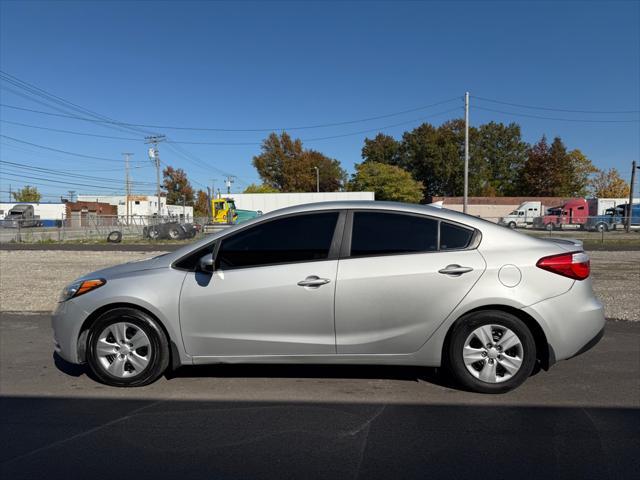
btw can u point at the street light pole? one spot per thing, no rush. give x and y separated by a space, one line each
317 179
465 202
634 167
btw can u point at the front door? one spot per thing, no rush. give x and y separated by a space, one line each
272 292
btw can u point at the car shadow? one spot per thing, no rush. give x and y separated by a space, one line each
67 368
436 376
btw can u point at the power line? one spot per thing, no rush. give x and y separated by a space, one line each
555 109
23 166
70 131
578 120
61 151
19 178
213 129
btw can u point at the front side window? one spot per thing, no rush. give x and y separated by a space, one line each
297 238
382 233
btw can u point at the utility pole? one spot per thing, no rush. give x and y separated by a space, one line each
229 181
634 167
213 188
154 156
465 202
317 179
209 204
127 183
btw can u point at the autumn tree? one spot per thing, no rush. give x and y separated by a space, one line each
201 207
288 167
580 170
27 194
177 186
389 182
608 184
263 188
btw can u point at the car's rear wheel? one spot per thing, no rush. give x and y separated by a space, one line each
491 352
127 348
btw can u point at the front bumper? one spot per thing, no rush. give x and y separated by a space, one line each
66 321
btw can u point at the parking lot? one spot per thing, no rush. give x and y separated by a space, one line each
579 420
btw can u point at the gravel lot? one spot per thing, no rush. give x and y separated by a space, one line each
30 281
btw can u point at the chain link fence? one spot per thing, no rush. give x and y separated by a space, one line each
137 228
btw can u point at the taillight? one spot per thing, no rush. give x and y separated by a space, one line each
573 265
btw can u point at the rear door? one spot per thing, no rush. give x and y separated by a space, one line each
399 277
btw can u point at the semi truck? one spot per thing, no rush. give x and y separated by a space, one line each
522 216
21 215
572 214
614 218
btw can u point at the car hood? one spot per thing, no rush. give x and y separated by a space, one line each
160 261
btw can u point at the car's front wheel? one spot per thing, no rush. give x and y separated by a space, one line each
491 352
127 348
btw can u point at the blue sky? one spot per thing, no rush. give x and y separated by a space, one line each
284 64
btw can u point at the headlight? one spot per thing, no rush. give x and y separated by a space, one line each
80 288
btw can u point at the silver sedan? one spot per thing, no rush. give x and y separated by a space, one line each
340 283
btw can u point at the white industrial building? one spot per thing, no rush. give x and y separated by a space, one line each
142 206
267 202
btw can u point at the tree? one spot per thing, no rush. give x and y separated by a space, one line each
389 182
27 194
287 167
177 186
382 149
580 169
608 184
264 188
499 153
201 206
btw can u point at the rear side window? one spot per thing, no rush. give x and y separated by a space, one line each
381 233
454 237
291 239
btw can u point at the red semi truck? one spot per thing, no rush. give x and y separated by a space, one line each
572 213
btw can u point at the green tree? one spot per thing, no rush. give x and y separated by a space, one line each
608 184
538 171
499 153
177 186
263 188
27 194
389 182
381 149
286 166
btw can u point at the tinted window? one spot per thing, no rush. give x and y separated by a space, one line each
453 236
292 239
377 233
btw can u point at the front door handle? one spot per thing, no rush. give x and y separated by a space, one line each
455 270
313 281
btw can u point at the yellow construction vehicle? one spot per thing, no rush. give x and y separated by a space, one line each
224 210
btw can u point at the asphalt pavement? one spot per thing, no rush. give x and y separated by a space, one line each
579 420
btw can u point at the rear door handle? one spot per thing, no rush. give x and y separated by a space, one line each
455 270
313 281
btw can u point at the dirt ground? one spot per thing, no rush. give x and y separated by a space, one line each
30 281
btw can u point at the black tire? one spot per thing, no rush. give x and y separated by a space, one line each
159 347
154 233
175 233
549 227
512 225
114 237
602 227
465 326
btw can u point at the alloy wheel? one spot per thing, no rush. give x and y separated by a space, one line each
123 349
493 353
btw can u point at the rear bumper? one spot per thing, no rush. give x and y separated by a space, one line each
572 322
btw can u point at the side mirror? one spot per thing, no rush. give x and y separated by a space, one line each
205 264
